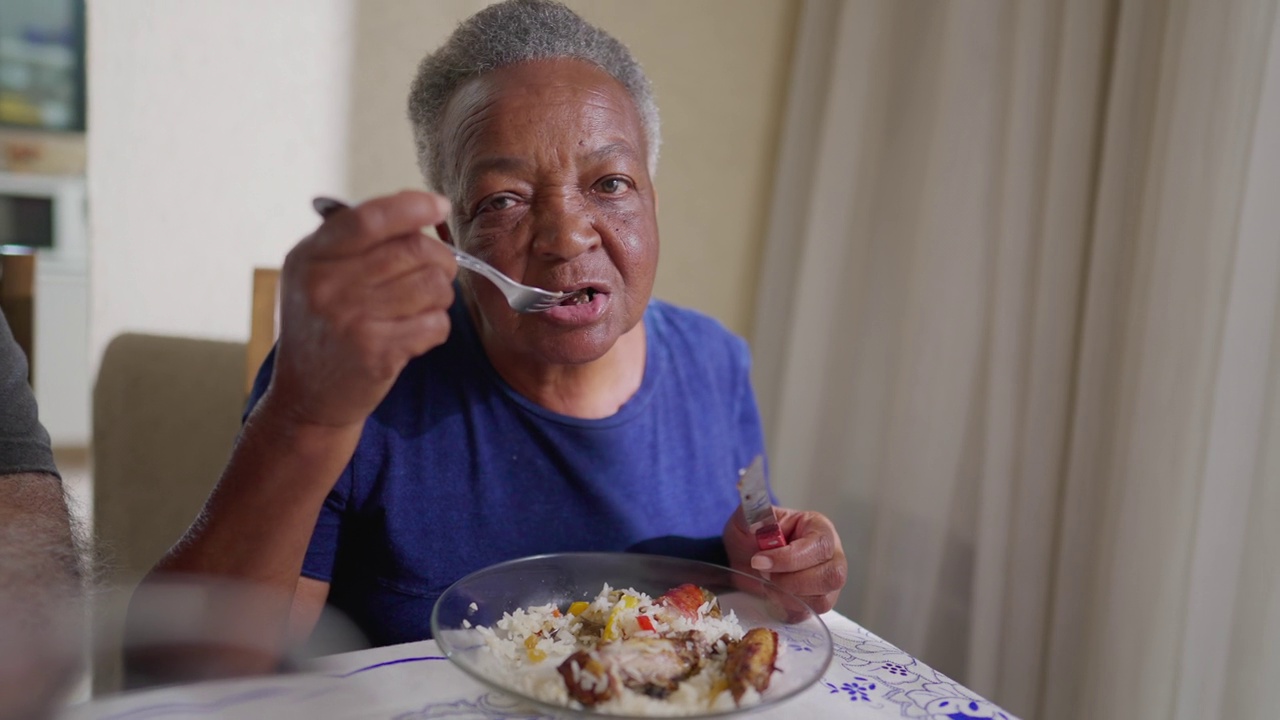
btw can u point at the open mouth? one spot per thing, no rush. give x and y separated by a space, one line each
582 297
584 304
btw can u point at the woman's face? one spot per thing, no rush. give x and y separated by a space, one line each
550 185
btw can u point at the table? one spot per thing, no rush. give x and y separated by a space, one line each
868 679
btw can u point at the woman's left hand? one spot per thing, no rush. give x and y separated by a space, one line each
811 565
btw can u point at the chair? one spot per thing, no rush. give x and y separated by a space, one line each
263 324
166 412
17 299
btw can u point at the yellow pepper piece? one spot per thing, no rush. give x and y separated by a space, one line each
532 650
578 608
611 627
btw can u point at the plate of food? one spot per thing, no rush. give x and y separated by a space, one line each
630 635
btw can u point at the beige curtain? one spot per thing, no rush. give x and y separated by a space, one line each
1019 334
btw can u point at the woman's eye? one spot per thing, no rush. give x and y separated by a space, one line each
497 204
613 185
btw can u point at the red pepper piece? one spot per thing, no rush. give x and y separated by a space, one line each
686 598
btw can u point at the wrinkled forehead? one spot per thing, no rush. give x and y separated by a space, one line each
534 112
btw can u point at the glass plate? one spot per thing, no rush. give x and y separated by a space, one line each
805 643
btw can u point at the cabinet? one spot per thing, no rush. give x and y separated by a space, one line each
49 214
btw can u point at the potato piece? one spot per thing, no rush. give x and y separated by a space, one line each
751 662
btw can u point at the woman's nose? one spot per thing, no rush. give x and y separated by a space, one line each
564 230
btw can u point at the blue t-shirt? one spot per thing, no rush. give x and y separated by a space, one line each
456 471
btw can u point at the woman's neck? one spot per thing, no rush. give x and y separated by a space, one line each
593 390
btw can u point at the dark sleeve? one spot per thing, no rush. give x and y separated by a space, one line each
323 549
24 444
708 550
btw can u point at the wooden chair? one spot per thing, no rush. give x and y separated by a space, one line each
17 299
263 322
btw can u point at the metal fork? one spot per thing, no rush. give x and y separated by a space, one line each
521 298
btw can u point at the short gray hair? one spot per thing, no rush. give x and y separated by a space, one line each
509 33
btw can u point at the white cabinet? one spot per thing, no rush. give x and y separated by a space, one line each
60 367
61 370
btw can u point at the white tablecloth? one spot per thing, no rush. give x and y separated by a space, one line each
868 679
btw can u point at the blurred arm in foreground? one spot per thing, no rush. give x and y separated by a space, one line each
41 618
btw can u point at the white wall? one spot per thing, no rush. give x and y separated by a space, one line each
390 38
212 123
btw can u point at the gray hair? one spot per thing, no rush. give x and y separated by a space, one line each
509 33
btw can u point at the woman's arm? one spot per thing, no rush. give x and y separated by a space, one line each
360 298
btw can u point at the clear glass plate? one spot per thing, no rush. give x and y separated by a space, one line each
561 579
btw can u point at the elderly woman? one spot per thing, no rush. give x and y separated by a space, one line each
410 430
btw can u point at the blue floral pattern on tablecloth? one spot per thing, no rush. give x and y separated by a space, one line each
867 669
868 679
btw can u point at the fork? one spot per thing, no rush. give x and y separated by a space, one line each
521 298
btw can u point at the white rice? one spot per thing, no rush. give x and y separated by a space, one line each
529 660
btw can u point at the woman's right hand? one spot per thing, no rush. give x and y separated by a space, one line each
360 297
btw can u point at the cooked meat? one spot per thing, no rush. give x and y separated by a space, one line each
688 598
650 665
751 661
588 680
656 660
655 666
